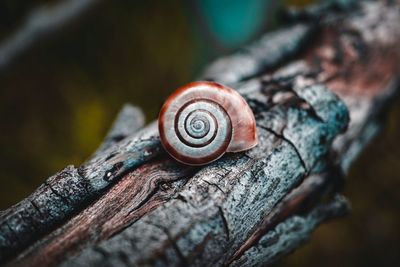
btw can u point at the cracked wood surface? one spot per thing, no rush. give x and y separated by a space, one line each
318 89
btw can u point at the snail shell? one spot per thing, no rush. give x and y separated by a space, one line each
201 121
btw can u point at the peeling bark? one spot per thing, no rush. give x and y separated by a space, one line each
318 89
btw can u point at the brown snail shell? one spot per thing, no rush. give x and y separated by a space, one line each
201 121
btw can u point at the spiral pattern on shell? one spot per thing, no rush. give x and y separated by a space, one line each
197 123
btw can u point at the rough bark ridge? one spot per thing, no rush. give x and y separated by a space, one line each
131 205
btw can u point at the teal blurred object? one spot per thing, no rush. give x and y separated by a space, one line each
234 22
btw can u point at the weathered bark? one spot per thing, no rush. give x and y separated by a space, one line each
132 205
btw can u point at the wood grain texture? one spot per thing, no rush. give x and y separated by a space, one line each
318 89
61 196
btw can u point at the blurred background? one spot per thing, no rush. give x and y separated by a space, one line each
61 87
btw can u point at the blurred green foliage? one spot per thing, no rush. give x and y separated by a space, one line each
231 22
298 3
58 99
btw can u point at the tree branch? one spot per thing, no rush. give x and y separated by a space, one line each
318 89
40 23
